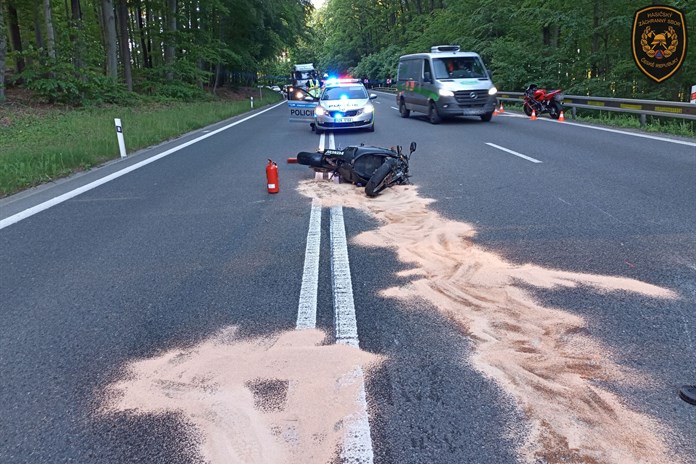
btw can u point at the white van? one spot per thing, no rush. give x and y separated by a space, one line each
445 83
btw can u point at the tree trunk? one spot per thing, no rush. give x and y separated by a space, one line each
76 33
38 30
169 47
110 42
50 33
15 35
144 40
125 43
3 50
595 39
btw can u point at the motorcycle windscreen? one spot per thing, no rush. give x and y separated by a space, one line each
301 111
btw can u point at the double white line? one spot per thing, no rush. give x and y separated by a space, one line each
357 443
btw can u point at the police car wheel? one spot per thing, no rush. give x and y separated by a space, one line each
371 128
318 130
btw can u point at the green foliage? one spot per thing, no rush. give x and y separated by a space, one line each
379 65
583 46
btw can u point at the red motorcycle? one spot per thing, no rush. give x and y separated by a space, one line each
542 101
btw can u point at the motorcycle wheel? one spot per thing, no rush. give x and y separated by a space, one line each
433 115
405 112
379 180
527 109
554 110
313 159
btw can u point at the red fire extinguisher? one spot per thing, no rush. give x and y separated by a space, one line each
272 177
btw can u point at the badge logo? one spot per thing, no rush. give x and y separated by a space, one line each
659 41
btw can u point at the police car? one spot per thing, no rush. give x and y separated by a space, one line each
344 104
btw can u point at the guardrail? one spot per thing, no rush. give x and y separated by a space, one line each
623 105
642 108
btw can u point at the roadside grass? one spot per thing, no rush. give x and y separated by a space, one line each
41 146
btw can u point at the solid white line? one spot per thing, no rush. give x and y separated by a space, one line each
616 131
67 196
357 442
344 307
307 308
528 158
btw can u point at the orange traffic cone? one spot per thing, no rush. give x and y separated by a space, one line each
495 112
533 117
501 110
561 118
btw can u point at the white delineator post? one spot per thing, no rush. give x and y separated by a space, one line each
119 136
252 102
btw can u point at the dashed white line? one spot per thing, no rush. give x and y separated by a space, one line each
528 158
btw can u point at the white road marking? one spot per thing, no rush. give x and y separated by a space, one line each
528 158
605 129
357 443
616 131
307 308
92 185
344 307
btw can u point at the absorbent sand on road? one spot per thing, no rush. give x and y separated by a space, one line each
542 357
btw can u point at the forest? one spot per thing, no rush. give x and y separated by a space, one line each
78 52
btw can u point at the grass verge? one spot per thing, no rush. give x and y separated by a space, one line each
41 146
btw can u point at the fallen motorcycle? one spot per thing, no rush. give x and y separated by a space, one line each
542 101
374 167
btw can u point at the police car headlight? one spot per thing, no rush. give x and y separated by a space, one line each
368 109
492 91
319 111
299 95
445 93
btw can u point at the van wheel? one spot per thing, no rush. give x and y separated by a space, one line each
433 115
486 117
405 112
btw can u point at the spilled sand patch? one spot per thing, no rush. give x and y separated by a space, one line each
542 357
277 399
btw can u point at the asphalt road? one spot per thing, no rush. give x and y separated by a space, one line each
183 246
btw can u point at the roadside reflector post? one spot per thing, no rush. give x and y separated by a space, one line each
119 136
252 102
